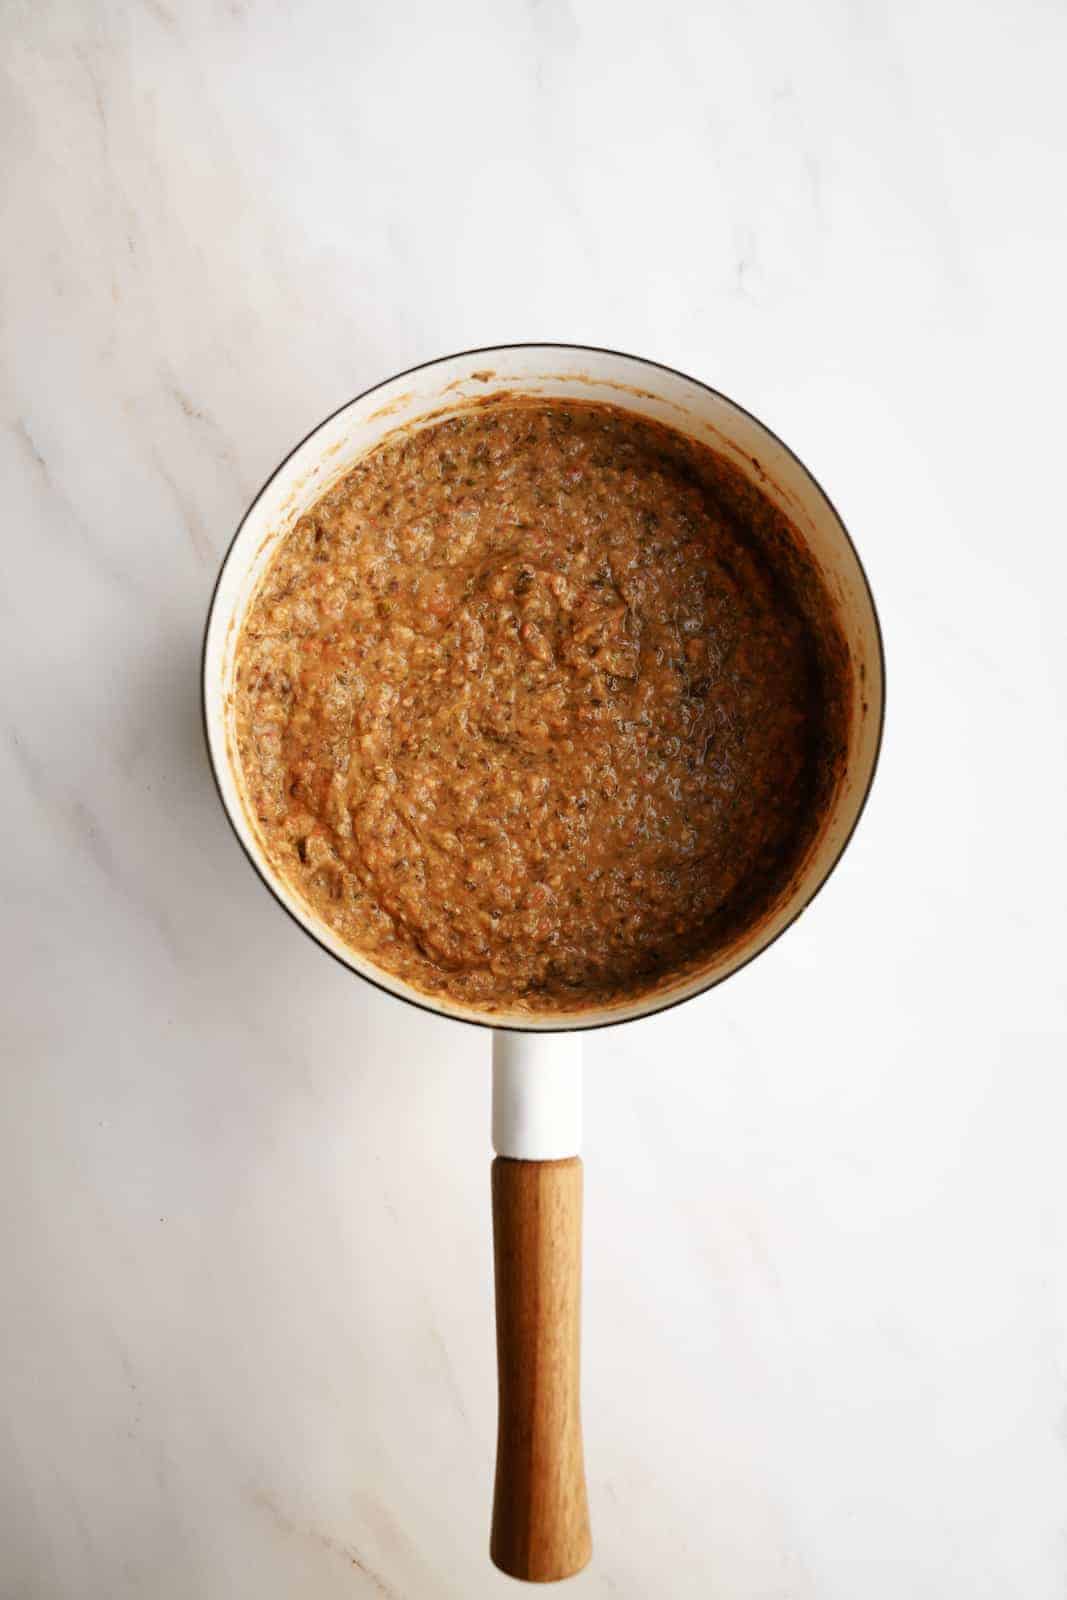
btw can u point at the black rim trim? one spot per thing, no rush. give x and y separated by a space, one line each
427 1005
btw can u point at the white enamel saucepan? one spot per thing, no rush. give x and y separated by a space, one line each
540 1526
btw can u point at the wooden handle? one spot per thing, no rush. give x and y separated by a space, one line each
540 1511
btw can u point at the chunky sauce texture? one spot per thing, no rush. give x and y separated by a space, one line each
540 706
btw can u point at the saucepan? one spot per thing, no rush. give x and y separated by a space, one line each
540 1519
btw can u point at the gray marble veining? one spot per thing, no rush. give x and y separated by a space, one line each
246 1295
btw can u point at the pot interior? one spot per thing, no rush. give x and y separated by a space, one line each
553 371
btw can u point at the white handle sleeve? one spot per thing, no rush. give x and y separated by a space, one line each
537 1095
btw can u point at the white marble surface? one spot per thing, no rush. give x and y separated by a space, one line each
245 1295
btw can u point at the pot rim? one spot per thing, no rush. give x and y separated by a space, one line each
568 1022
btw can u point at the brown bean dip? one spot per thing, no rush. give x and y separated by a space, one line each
541 706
